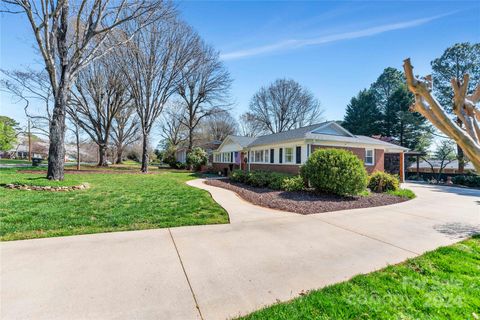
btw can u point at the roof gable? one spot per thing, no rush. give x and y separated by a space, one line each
334 129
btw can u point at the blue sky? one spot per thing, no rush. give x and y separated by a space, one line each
333 48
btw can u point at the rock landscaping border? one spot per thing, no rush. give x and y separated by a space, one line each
82 186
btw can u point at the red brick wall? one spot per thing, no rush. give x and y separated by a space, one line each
221 166
360 153
285 168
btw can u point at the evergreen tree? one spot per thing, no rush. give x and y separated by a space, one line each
410 129
363 115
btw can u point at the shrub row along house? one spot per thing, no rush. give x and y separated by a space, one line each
287 151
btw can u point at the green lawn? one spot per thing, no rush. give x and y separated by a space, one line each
113 202
14 161
442 284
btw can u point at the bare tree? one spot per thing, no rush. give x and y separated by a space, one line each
69 36
443 155
284 105
100 92
152 64
249 127
464 107
203 88
172 130
219 126
32 87
124 130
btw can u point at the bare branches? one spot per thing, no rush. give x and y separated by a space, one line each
464 108
284 105
100 94
203 87
152 64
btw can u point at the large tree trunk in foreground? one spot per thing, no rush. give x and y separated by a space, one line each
467 138
119 154
144 168
102 155
56 151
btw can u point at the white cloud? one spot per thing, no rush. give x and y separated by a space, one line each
298 43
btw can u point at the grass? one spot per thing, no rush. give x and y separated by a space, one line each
114 202
404 193
14 161
442 284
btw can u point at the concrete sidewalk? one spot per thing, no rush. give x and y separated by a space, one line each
221 271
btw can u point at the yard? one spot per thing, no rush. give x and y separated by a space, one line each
442 284
115 201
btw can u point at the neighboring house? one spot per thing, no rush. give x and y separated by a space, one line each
209 147
287 151
452 167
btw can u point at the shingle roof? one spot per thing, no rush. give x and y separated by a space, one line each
285 135
242 141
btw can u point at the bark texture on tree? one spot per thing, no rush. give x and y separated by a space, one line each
102 155
144 168
464 107
56 150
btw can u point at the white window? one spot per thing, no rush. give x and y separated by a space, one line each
258 155
267 156
252 156
227 157
288 155
218 157
369 157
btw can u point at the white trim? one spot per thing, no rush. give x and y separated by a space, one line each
373 157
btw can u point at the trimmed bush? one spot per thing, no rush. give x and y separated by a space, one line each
277 180
293 184
259 179
238 176
335 171
380 182
197 158
468 180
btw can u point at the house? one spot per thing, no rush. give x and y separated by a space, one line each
450 168
287 151
209 147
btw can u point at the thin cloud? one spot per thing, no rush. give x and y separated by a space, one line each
299 43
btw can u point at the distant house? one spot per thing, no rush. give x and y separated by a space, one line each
452 167
209 147
287 151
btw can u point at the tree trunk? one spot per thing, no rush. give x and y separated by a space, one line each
144 168
119 154
78 148
461 159
102 155
56 150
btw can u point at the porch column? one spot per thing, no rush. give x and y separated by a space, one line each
402 167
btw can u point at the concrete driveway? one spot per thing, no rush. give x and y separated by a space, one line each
222 271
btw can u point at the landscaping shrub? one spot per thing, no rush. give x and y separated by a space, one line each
259 179
238 176
266 179
335 171
468 180
380 182
197 158
295 183
277 180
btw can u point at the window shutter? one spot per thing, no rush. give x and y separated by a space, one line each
280 155
298 155
272 155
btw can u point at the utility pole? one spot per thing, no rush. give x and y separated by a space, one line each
29 142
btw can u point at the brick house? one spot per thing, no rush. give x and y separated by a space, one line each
287 151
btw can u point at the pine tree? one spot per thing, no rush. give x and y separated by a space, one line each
362 114
410 129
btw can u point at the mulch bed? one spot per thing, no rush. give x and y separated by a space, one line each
303 202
